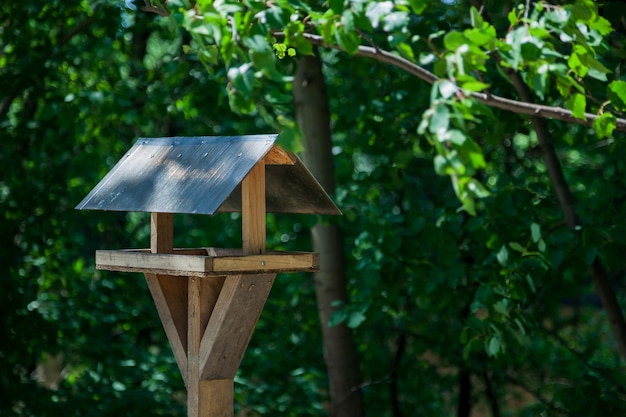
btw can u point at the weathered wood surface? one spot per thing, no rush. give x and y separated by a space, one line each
230 327
161 232
253 228
170 298
278 156
201 265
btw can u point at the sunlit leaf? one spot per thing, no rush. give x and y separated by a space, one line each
577 103
617 94
604 125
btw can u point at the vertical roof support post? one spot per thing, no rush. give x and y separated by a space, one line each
253 231
161 232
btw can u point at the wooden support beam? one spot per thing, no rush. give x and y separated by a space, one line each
253 210
162 232
205 398
170 298
232 323
169 292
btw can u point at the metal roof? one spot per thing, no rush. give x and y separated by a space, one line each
202 175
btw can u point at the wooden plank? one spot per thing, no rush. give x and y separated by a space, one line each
204 398
286 262
194 336
232 322
165 262
204 266
253 210
170 298
161 232
278 156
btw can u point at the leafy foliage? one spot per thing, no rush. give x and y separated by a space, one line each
476 278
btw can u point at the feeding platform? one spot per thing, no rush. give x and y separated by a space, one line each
209 299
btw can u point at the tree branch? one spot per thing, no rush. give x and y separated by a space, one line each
498 102
568 206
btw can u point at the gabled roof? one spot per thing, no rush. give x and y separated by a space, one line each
202 175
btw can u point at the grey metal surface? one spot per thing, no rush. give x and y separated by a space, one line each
202 175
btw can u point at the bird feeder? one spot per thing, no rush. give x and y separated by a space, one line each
209 299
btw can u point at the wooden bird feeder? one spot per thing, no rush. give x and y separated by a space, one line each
209 299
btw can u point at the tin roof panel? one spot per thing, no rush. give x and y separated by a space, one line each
198 174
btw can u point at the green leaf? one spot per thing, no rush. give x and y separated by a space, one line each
337 317
418 6
355 319
475 18
604 125
474 86
453 40
258 43
348 41
576 64
577 103
455 136
406 51
242 79
474 187
512 17
440 119
347 20
535 232
501 307
480 36
209 55
503 255
602 25
617 94
472 153
494 346
517 247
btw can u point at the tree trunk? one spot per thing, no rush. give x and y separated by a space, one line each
340 354
566 201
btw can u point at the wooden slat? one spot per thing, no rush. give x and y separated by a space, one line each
231 325
129 261
162 232
204 266
278 156
194 336
288 262
253 210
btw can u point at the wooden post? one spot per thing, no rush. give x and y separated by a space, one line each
253 230
161 232
205 398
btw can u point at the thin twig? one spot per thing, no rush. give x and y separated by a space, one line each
502 103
